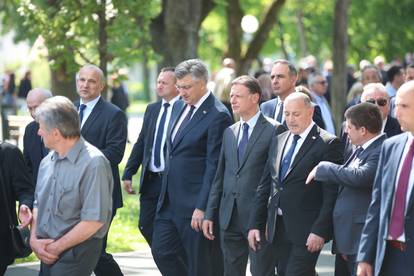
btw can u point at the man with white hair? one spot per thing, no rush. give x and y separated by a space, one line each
33 147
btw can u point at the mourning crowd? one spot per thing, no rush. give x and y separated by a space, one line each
234 169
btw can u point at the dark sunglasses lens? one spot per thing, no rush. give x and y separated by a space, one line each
371 101
381 102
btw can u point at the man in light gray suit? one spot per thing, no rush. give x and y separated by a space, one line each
354 180
242 160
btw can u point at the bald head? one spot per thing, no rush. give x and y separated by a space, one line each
298 112
404 102
35 97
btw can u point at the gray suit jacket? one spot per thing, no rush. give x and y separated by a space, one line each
354 180
234 183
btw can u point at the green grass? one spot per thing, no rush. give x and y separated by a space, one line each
124 235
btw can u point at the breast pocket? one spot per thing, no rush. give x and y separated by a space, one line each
67 199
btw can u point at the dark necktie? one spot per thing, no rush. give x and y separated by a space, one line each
288 158
355 154
185 122
158 140
243 142
397 216
81 109
280 114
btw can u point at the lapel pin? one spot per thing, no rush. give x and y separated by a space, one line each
313 137
204 112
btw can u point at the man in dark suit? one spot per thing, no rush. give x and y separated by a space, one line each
298 217
284 76
193 147
242 159
105 126
354 181
386 246
33 147
148 151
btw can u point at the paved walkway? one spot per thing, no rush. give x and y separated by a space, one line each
140 263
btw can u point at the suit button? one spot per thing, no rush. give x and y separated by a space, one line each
281 188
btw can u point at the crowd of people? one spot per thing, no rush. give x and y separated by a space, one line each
271 188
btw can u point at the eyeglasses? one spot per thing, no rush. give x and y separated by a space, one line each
380 102
321 82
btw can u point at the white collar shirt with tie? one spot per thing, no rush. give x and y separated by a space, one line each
88 109
251 122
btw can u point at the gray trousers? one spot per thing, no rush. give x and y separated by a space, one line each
79 260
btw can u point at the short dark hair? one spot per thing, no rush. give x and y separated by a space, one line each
292 69
365 115
250 83
393 72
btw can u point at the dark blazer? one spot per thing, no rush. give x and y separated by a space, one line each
373 238
33 149
106 129
269 108
234 183
354 181
306 209
18 187
192 158
142 150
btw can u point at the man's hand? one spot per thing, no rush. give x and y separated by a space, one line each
25 215
128 187
54 248
315 243
254 239
311 175
208 229
39 248
197 220
364 269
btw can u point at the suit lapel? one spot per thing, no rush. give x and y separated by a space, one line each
273 111
178 109
201 112
281 145
234 142
256 133
306 146
95 113
153 122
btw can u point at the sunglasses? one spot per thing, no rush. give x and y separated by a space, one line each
380 102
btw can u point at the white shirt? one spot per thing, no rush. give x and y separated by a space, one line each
88 109
356 161
299 143
187 109
410 181
252 123
152 167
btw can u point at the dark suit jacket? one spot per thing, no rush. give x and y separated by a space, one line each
192 158
106 129
234 183
142 150
373 238
18 187
354 181
269 108
306 208
33 149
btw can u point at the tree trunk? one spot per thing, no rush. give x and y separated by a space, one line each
340 47
282 40
103 44
301 32
63 83
235 33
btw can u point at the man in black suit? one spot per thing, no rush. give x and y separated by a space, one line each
193 147
298 217
33 147
149 150
284 76
242 160
354 180
105 126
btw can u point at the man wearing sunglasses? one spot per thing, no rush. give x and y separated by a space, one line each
377 94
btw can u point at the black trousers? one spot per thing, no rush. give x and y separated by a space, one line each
107 266
398 262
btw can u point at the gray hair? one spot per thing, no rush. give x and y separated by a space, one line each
312 78
292 69
378 87
299 96
60 113
195 67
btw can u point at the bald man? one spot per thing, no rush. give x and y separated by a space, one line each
377 94
386 246
33 147
298 217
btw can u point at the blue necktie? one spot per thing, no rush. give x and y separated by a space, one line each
288 158
280 114
185 122
158 140
81 109
243 142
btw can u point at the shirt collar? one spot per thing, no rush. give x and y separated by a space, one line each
73 153
252 121
370 141
201 101
91 104
171 102
305 133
